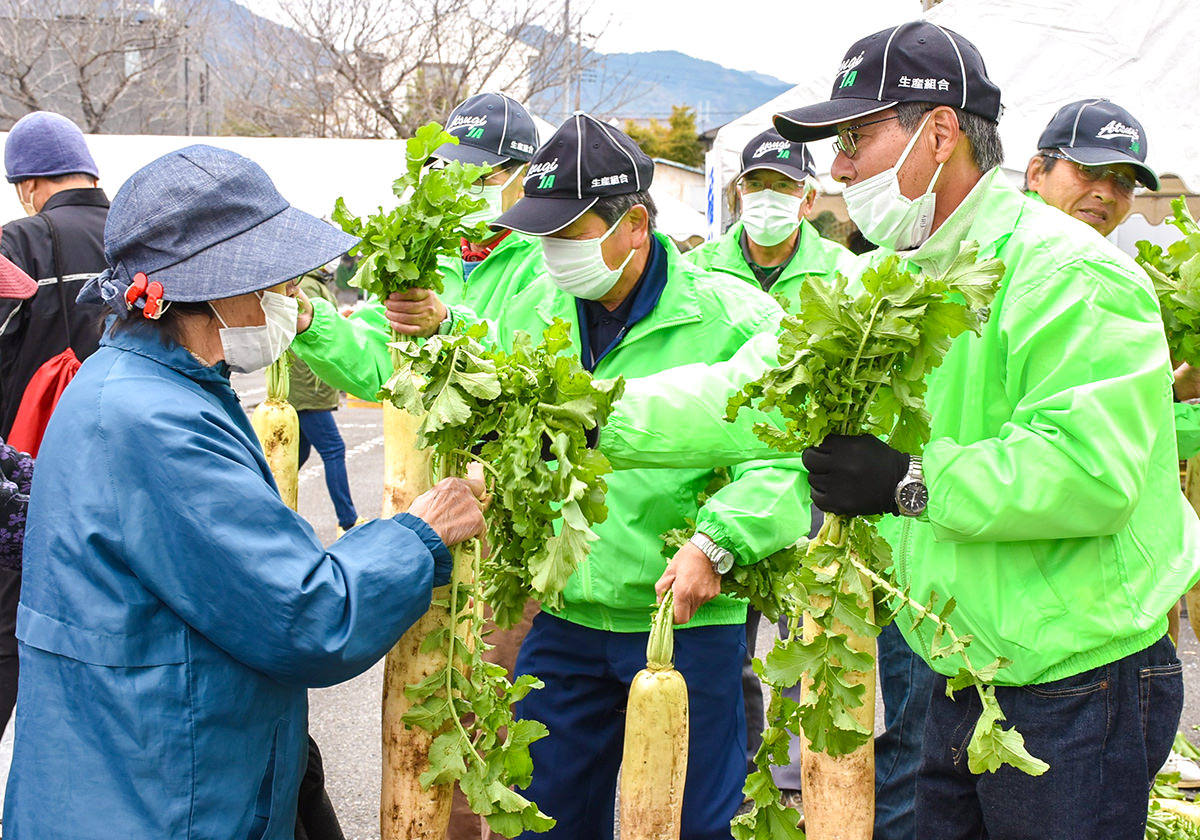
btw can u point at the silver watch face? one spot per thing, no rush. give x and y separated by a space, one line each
723 562
912 497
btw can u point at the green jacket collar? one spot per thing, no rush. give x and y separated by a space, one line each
988 215
814 254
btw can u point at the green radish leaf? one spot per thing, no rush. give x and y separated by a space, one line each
993 746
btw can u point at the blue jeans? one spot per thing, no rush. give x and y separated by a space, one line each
587 675
318 430
906 683
1104 733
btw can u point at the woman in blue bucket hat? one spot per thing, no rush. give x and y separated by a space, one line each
174 612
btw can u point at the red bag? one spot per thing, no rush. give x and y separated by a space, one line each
39 399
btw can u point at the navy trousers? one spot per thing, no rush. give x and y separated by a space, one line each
587 675
1104 733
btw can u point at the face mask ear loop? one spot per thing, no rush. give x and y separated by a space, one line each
218 314
516 172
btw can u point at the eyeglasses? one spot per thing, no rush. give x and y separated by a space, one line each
784 185
847 138
1122 182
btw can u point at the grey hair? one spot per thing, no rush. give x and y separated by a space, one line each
1047 164
983 134
612 207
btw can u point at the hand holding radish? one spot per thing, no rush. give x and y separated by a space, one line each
416 312
690 574
452 508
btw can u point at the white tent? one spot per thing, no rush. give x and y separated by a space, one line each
1043 54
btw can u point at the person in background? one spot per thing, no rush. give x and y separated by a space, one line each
347 295
60 244
315 401
352 354
16 474
174 611
774 246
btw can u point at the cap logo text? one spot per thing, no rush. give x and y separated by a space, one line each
463 120
847 70
542 168
521 147
780 146
610 180
923 84
1116 128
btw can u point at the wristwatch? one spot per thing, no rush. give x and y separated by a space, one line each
911 493
721 558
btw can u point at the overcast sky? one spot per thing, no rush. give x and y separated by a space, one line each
788 39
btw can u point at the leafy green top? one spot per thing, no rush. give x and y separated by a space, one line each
510 407
1176 276
857 365
401 247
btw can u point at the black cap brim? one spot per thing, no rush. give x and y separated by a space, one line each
543 216
817 121
1100 156
468 154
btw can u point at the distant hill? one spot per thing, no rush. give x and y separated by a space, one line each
645 85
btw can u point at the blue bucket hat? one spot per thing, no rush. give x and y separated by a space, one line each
206 224
44 144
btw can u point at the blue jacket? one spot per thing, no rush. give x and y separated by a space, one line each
174 612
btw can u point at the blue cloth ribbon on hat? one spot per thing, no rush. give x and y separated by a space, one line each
107 287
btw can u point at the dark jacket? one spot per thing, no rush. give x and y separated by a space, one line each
35 330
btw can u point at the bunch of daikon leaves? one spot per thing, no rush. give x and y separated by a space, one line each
506 409
1176 276
856 364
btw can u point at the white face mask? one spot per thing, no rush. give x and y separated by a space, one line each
248 349
577 265
884 215
493 197
770 217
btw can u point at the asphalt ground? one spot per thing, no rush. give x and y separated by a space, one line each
344 719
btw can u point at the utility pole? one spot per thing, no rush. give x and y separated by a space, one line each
568 60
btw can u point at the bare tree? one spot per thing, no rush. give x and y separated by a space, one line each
112 65
380 68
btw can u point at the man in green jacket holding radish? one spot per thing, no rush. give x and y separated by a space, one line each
351 353
635 307
1046 502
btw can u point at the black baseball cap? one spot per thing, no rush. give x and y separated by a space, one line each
913 62
583 162
492 129
770 151
1096 132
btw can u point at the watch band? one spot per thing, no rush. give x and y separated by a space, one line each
721 558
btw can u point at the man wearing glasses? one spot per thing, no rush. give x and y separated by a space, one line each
1102 150
1051 512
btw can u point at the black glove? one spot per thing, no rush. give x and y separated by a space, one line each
854 476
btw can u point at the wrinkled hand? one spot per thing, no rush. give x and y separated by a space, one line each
416 312
691 575
1187 382
452 508
854 475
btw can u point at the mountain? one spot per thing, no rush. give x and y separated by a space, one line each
645 85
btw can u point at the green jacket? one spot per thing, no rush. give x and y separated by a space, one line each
1055 519
815 256
700 316
306 391
352 353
